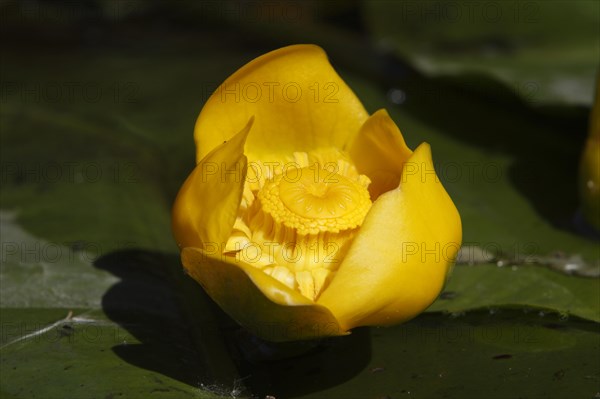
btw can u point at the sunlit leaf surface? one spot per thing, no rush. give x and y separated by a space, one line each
542 51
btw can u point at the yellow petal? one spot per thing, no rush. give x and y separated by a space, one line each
379 151
206 206
589 168
398 263
298 100
263 305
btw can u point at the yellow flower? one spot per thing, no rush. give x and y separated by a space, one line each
304 216
589 170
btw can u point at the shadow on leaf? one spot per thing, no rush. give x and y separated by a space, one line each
185 336
146 304
544 142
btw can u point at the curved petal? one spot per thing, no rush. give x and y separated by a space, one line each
206 205
274 312
379 151
397 265
298 100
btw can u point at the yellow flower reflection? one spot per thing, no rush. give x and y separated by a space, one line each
306 217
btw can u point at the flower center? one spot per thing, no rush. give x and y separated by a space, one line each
298 223
315 201
319 194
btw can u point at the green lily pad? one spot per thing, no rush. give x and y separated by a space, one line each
544 52
520 286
